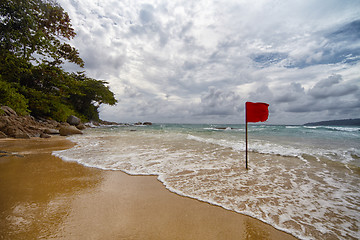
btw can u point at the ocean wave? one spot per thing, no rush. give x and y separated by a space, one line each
347 156
224 129
334 128
293 127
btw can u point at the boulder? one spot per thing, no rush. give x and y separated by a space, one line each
49 123
147 123
16 132
68 130
81 126
8 111
4 121
97 124
64 124
51 131
72 120
2 135
44 135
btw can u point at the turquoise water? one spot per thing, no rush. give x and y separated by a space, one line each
302 180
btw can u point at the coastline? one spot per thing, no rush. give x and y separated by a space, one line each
45 197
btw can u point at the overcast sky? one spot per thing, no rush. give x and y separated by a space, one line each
181 61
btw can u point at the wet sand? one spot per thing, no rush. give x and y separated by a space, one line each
45 197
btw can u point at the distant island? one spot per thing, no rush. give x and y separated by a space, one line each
343 122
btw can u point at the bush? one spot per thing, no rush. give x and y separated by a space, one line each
9 96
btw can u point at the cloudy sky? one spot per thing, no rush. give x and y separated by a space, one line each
186 61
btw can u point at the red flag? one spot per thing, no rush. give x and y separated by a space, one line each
256 112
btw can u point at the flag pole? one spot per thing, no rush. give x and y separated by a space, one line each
246 152
254 112
246 139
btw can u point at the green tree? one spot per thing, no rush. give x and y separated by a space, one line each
34 35
36 26
9 96
88 94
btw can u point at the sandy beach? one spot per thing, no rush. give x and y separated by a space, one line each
45 197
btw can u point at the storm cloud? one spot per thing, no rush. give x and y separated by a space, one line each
200 61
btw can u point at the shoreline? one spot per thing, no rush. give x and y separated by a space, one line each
46 197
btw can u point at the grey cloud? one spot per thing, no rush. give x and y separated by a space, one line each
146 14
189 65
268 58
291 93
331 87
131 92
349 32
341 45
185 29
102 58
262 94
220 102
307 105
328 95
148 27
299 107
328 82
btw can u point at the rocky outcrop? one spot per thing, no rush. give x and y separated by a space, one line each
44 135
68 130
3 135
8 111
72 120
75 121
81 126
51 131
144 123
107 123
15 126
342 122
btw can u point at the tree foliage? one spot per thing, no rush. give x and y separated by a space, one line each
34 44
9 96
37 26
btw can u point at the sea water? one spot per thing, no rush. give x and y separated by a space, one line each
302 180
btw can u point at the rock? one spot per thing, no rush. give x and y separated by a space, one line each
4 121
13 125
72 120
22 135
64 124
8 111
89 125
97 124
69 130
44 135
2 135
108 123
81 126
147 123
17 133
51 131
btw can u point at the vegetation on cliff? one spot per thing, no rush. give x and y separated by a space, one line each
34 44
342 122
